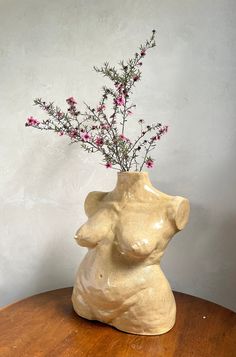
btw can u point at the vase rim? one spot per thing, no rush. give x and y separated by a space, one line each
132 173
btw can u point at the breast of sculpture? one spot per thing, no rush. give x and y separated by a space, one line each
120 281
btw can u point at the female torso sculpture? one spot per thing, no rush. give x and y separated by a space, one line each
120 281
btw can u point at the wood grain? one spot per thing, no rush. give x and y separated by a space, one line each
45 325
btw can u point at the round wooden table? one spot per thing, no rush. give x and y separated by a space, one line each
45 325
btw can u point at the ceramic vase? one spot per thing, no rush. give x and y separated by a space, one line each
119 281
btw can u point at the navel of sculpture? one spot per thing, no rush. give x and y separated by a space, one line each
120 281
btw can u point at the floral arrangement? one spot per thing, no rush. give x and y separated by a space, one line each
103 129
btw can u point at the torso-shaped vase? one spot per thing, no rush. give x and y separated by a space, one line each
120 282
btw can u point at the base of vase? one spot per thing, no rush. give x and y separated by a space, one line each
148 332
154 333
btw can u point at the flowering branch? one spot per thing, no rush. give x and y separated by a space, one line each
97 131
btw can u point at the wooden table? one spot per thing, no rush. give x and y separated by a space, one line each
45 325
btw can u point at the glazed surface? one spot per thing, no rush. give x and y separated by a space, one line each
120 281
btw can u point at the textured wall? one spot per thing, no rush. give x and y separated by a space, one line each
47 49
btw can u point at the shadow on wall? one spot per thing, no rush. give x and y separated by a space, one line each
201 261
219 264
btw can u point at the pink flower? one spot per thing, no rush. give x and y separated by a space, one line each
163 130
60 114
101 108
61 133
99 141
143 53
32 122
120 100
73 133
149 163
105 126
156 137
108 165
123 138
71 101
85 136
136 78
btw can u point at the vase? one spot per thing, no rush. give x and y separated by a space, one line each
120 281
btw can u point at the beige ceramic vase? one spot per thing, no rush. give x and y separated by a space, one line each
120 282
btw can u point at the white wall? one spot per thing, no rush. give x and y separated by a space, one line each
47 49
